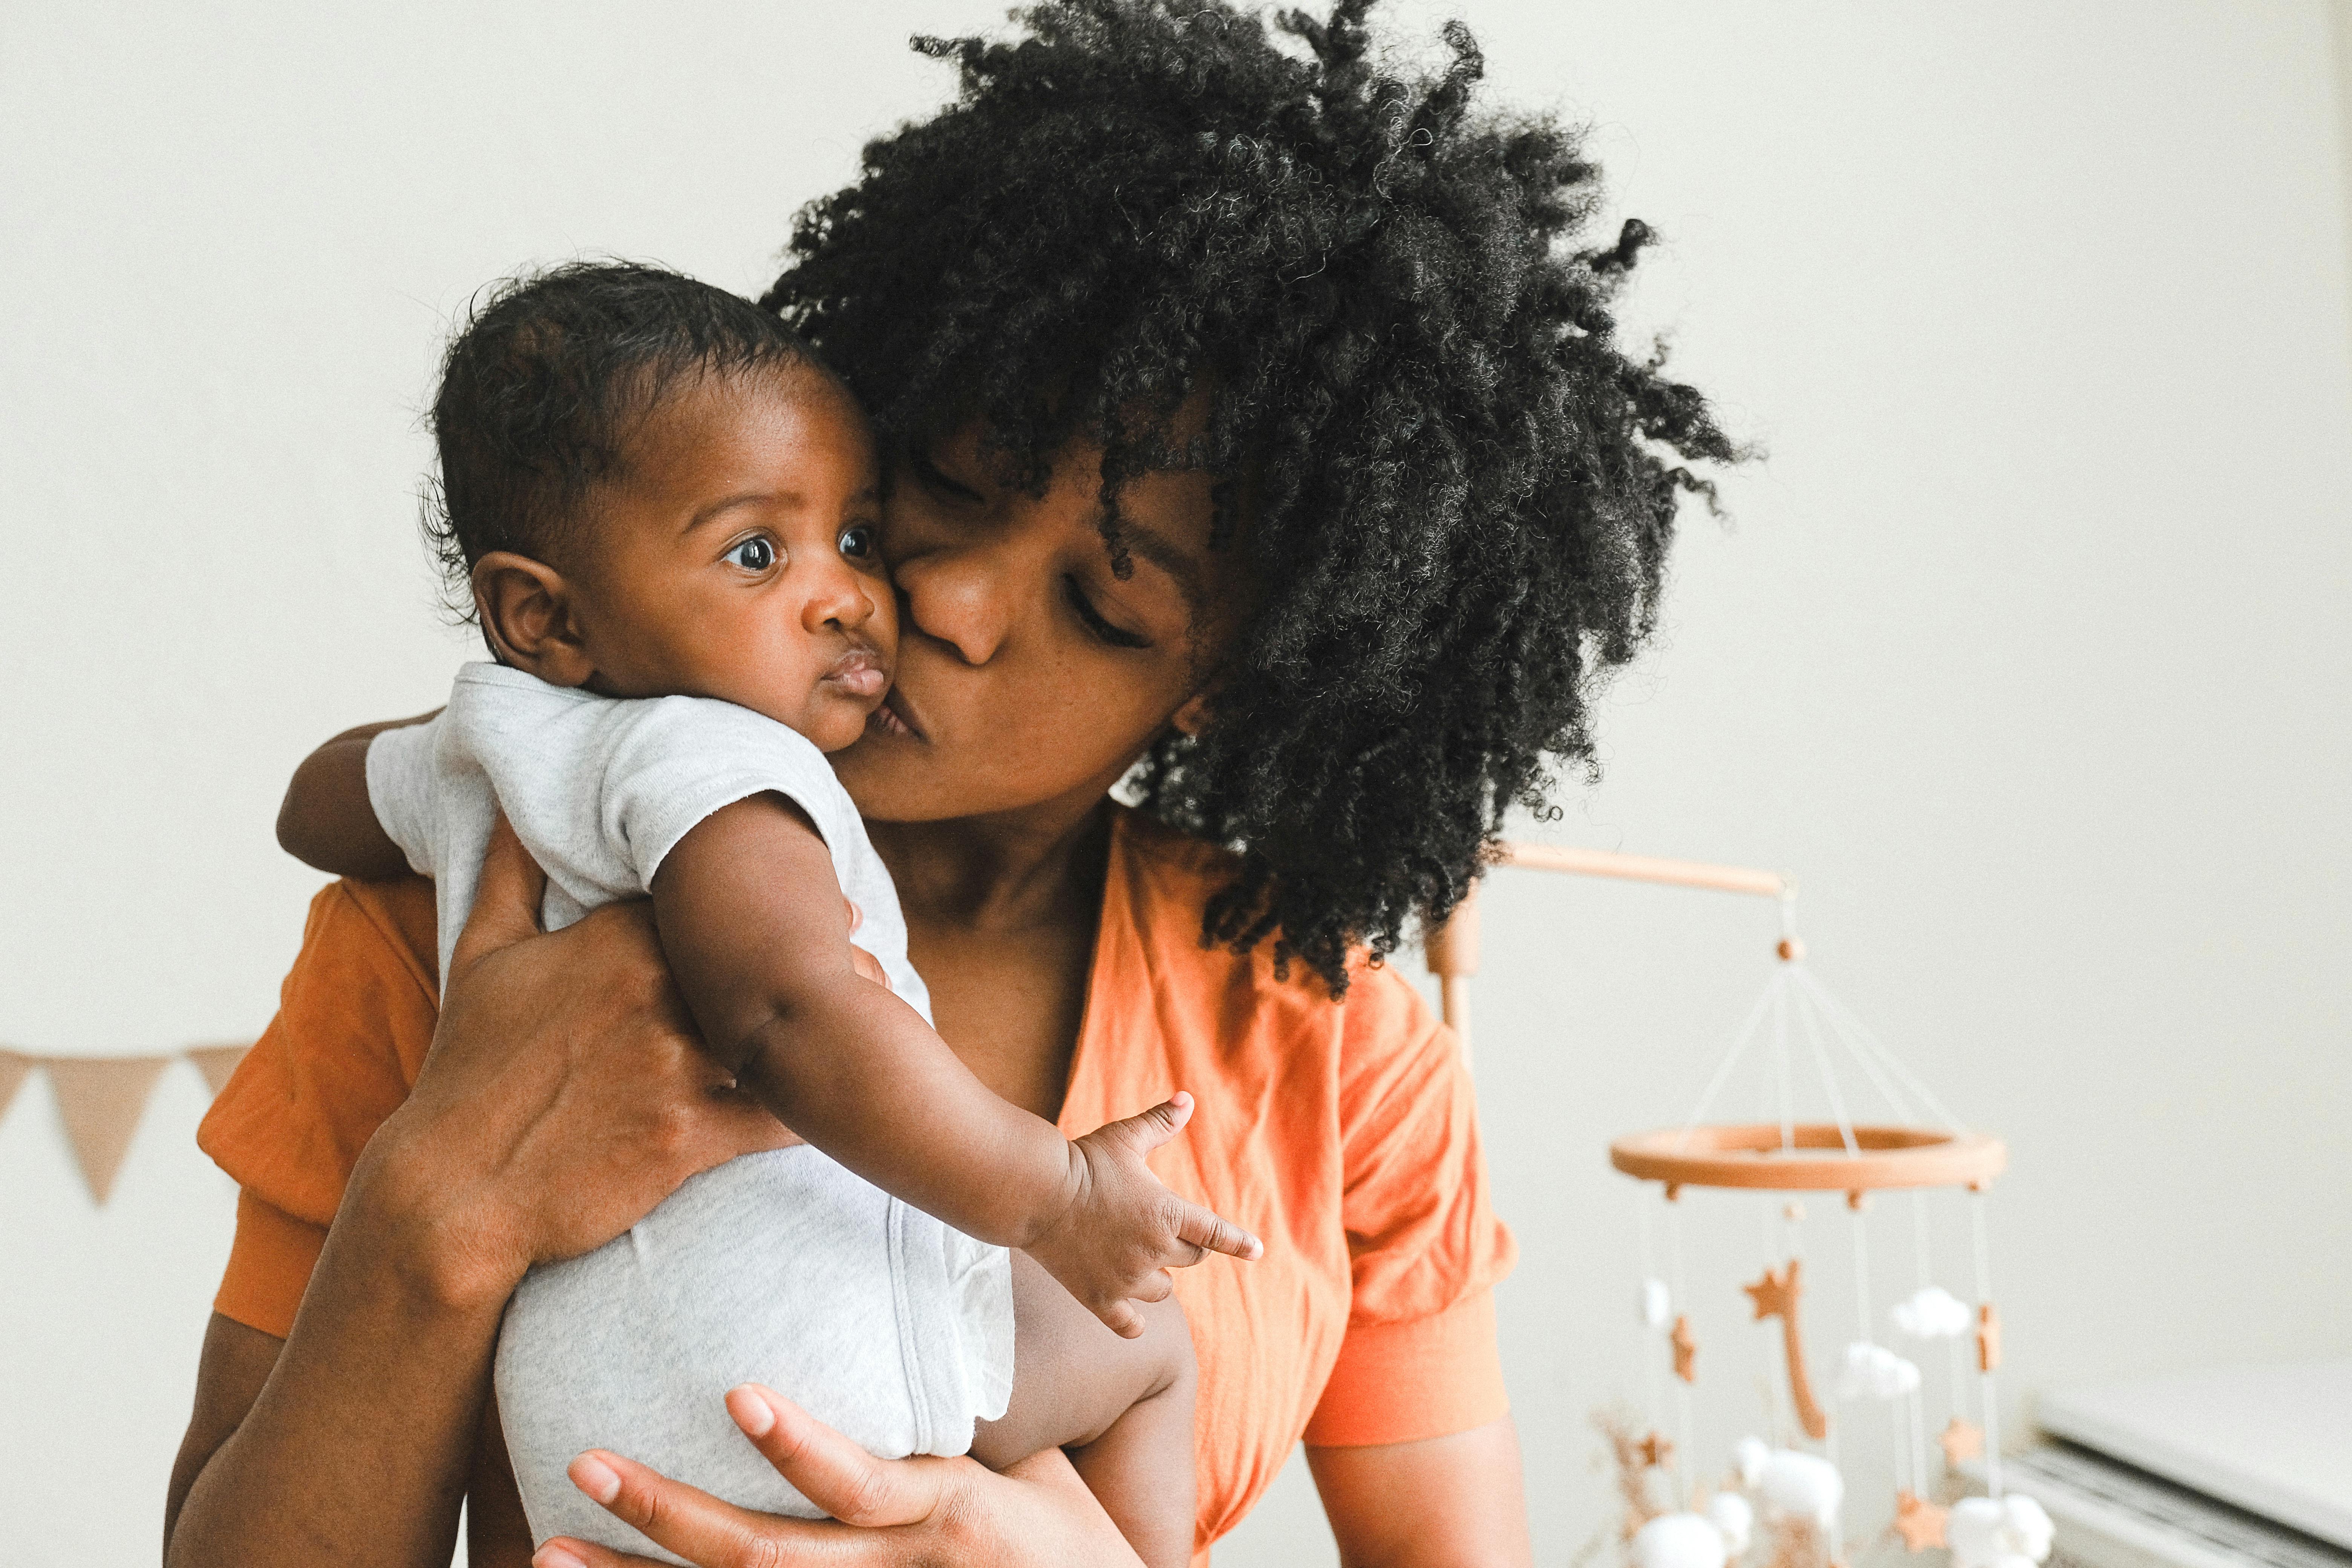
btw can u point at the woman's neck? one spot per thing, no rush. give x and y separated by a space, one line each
1007 872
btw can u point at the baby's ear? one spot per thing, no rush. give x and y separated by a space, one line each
526 611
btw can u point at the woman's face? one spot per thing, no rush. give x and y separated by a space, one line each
1029 674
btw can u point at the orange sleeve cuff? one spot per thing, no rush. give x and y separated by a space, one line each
270 1266
1425 1377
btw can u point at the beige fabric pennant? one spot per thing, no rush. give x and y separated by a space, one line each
216 1062
13 1065
101 1099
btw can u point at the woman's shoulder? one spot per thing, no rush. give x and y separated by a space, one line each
1162 880
396 920
1171 866
355 1018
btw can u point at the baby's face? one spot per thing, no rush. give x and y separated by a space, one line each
737 557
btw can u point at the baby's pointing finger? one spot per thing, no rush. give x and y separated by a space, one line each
1217 1233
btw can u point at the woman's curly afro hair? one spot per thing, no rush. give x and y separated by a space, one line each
1462 487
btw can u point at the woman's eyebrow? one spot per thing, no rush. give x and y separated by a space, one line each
1181 565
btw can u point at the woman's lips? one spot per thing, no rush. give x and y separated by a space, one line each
890 718
859 673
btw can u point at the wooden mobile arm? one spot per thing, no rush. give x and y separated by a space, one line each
1452 948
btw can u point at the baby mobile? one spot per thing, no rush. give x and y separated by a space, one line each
1783 1495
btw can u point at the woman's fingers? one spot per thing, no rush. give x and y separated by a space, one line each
564 1551
678 1517
506 901
929 1510
830 1470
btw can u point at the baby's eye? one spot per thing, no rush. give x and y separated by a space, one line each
857 542
756 553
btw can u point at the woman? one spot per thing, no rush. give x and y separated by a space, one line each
1260 440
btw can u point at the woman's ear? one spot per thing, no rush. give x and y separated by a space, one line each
1194 717
527 614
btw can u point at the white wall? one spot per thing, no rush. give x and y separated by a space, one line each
2027 647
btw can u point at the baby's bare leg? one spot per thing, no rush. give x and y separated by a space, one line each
1123 1409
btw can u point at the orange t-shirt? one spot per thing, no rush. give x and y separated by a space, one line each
1342 1133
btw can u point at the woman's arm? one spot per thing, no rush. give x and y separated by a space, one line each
563 1099
287 1459
1443 1503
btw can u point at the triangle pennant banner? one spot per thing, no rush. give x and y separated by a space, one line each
13 1065
101 1099
216 1062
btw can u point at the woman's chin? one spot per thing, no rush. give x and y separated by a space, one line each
882 769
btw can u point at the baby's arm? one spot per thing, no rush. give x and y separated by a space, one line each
751 923
1121 1409
327 822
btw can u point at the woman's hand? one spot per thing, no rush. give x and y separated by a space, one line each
564 1097
940 1513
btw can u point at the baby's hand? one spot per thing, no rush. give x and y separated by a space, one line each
1123 1231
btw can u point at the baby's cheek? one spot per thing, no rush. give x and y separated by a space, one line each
883 625
835 722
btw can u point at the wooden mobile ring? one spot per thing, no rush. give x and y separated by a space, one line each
1815 1160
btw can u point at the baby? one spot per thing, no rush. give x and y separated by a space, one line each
665 509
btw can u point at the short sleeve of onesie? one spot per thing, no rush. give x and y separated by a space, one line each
599 790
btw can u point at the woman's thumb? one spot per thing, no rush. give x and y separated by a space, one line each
505 901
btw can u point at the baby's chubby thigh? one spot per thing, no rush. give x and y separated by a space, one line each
775 1267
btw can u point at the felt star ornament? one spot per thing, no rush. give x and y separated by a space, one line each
1777 1296
1962 1440
1988 1338
1686 1346
1918 1521
1655 1451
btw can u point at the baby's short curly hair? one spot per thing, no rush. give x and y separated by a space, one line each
1464 487
546 382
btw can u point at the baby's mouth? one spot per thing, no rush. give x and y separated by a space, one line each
859 673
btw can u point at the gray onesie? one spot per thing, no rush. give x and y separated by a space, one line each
783 1268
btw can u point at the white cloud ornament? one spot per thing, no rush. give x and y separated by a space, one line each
1679 1541
1789 1484
1931 1313
1733 1518
1657 1306
1874 1372
2007 1533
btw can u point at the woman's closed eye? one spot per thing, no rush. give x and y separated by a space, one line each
927 474
757 553
1092 618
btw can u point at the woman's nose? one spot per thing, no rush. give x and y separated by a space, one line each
957 595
